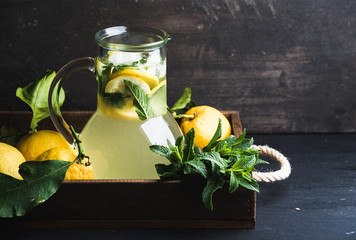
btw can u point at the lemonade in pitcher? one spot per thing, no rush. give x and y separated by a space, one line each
131 114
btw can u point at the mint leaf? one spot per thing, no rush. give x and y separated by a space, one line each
249 183
41 180
213 183
141 101
188 150
36 96
161 150
169 172
230 159
234 182
213 157
215 138
196 166
116 100
245 163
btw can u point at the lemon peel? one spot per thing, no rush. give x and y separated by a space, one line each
75 171
205 122
31 146
151 79
10 160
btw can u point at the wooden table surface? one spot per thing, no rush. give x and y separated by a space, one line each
317 201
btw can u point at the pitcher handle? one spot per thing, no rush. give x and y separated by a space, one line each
62 127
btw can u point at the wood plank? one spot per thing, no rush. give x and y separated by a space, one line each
141 203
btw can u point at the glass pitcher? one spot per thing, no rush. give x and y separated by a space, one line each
131 114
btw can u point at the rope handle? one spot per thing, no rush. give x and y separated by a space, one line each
280 174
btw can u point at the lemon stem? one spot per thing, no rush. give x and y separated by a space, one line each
184 115
81 155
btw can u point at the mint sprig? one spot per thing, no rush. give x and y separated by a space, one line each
230 160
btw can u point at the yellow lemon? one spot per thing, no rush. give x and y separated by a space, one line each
10 160
149 78
205 124
76 170
31 146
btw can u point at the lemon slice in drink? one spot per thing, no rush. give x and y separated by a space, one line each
117 85
155 89
151 79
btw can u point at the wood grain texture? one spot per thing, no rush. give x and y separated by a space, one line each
286 66
139 204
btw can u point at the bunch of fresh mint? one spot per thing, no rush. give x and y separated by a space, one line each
231 159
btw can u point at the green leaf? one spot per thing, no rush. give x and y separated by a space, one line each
36 96
168 172
141 101
183 100
188 150
198 167
116 100
184 103
229 159
161 150
260 161
234 182
198 152
213 183
9 133
249 183
245 163
213 157
179 144
215 138
41 181
240 138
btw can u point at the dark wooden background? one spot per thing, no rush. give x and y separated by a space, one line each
285 65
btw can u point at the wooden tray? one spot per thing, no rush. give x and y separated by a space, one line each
134 203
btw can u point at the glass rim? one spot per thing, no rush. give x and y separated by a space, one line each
116 30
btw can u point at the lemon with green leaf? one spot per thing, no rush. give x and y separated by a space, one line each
204 120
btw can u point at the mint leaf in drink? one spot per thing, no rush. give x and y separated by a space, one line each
35 95
116 99
40 181
141 101
229 160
